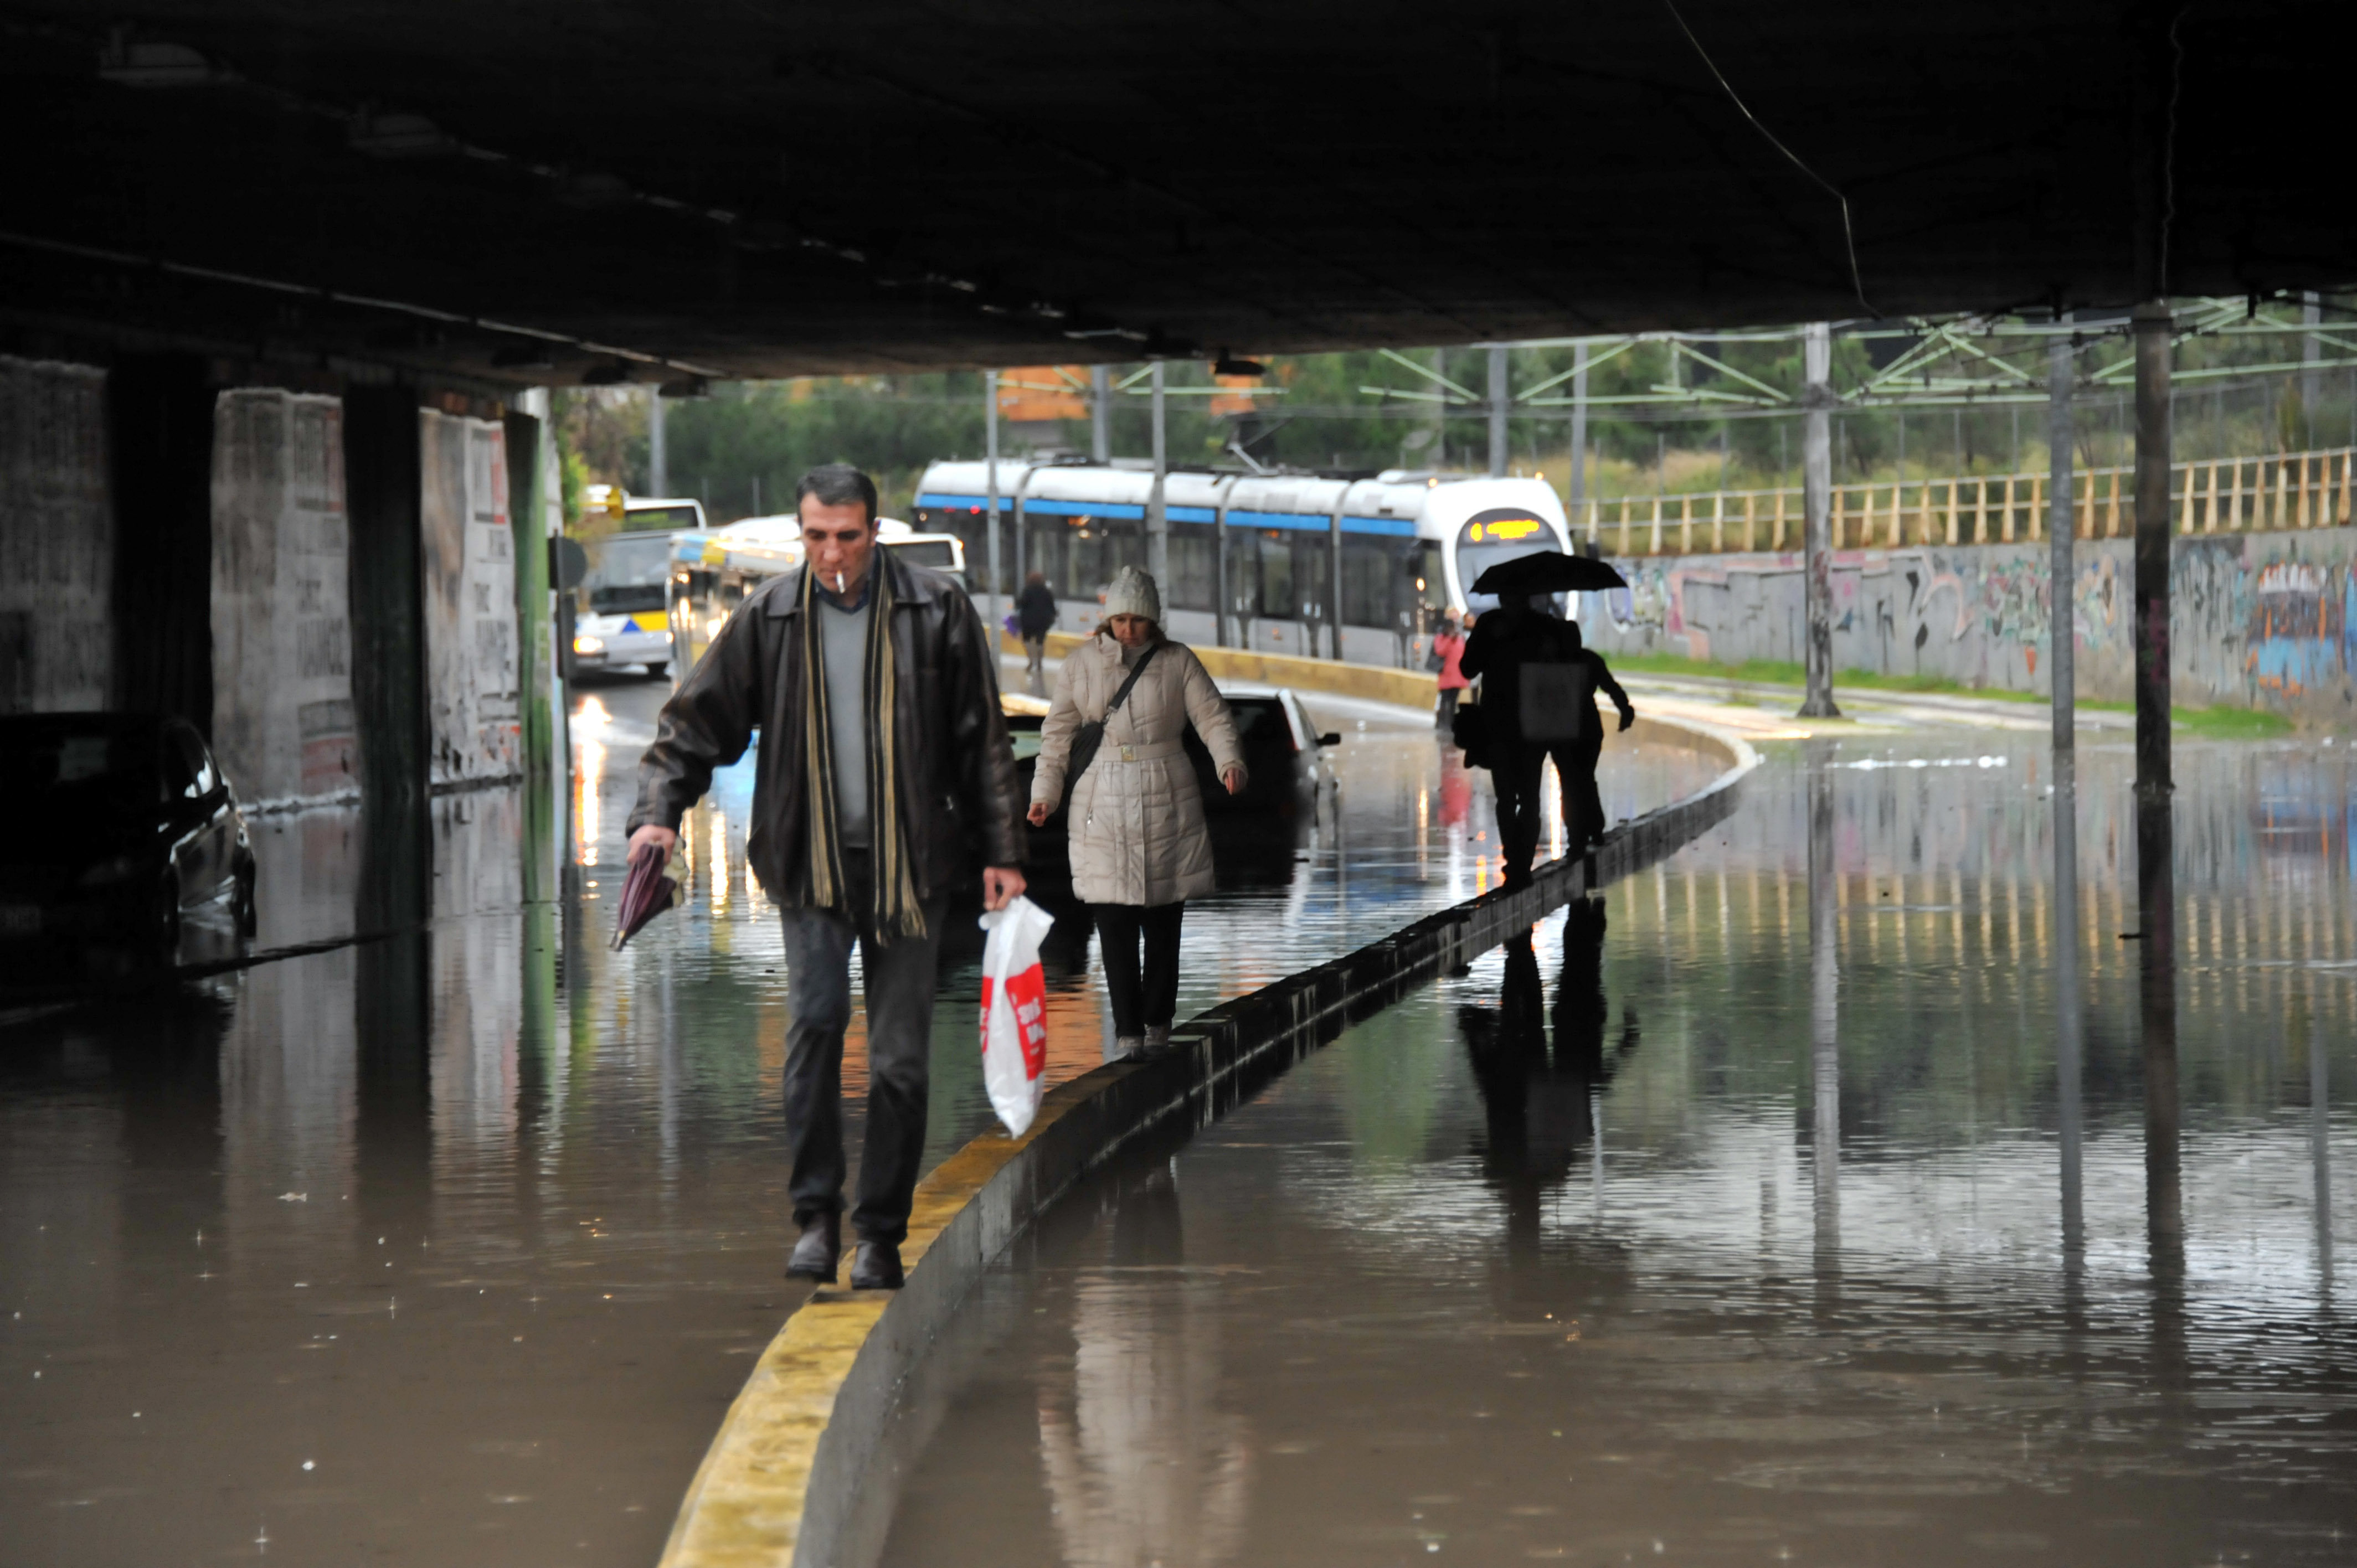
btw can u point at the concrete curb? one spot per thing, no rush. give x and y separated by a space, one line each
783 1479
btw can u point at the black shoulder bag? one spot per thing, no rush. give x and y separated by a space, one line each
1090 736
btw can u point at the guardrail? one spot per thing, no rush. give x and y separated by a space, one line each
2224 495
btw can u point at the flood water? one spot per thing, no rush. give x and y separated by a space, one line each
1846 1189
453 1249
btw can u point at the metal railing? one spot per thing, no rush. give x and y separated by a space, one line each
2223 494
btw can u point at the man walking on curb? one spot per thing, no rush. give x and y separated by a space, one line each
884 774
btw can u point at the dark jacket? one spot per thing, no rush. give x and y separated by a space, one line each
962 804
1036 609
1502 641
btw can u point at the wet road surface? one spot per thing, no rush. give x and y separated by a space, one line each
453 1250
1818 1197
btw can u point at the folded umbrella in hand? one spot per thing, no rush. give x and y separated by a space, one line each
646 893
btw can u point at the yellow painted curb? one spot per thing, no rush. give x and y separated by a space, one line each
1371 682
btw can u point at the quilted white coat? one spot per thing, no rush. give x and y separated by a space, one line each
1136 826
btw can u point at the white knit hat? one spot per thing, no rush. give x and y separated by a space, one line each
1132 593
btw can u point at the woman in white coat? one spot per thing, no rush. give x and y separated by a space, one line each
1138 845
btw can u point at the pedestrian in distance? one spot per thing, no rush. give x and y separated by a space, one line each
1035 617
1447 650
1529 717
884 777
1139 847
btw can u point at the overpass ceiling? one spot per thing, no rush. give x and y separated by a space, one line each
763 189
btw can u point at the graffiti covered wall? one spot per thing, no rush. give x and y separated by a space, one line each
2261 620
470 614
56 539
282 630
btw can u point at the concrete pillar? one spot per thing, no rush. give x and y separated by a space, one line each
1100 414
58 564
990 492
1158 518
390 699
527 517
2063 571
1497 406
160 445
1816 499
2153 520
2311 379
1579 489
657 449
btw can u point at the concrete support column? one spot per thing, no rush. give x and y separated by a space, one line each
1100 414
160 447
534 647
990 491
2063 570
1498 405
390 698
1816 500
2153 519
1157 518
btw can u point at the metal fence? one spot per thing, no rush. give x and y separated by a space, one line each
2224 495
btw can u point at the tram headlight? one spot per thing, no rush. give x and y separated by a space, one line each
588 645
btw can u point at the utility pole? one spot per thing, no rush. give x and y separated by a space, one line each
2061 528
1578 492
2311 381
1816 501
2153 324
1497 411
658 456
1157 518
990 482
1100 414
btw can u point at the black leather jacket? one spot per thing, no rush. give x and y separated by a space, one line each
958 789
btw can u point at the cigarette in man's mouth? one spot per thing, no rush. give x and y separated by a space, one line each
838 584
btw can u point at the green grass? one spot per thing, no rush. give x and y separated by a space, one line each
2209 723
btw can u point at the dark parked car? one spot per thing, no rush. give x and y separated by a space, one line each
1283 752
117 824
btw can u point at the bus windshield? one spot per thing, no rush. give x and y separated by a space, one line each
627 574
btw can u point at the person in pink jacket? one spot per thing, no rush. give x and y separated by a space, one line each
1447 648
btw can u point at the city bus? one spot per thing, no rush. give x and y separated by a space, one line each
1402 546
711 571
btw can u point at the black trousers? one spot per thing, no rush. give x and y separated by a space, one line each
1151 999
1517 771
898 978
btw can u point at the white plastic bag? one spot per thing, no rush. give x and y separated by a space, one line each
1015 1010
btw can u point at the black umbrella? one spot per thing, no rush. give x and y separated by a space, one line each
646 893
1549 571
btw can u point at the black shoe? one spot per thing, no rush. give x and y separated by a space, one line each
814 1255
877 1267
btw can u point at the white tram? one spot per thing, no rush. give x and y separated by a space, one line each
1402 547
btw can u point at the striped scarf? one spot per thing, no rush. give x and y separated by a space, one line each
896 911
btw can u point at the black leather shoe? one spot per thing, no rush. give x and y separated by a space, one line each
814 1255
877 1267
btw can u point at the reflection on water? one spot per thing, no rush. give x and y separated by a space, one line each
452 1247
1897 1239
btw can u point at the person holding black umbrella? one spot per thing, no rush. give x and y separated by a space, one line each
1538 700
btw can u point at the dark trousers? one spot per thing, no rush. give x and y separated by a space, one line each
1150 999
1517 771
898 978
1446 715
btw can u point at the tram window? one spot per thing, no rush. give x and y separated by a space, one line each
1244 573
1370 575
1277 598
1425 569
1193 561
